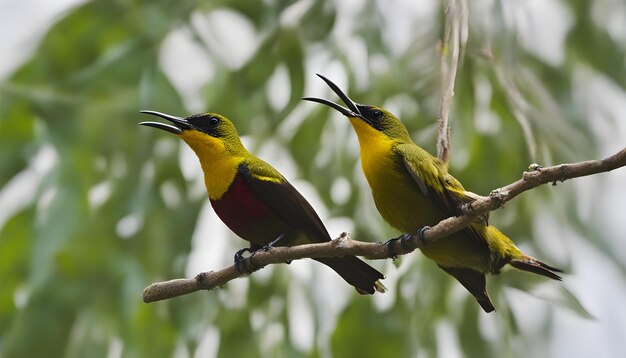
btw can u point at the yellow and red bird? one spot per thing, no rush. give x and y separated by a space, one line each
253 199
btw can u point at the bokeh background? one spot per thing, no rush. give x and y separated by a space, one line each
93 207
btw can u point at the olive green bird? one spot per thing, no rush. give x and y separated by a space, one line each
412 189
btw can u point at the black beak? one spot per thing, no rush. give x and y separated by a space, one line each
180 124
351 111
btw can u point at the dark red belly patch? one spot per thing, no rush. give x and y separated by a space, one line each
242 211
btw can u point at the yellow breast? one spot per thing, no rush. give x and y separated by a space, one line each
401 203
375 152
219 166
395 194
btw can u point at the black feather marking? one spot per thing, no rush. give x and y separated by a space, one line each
475 283
530 264
285 201
304 223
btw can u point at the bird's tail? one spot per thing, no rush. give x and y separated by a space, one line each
475 283
357 273
527 263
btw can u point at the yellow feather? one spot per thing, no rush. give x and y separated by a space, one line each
375 150
278 180
402 204
219 166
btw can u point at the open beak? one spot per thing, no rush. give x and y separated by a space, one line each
351 111
178 127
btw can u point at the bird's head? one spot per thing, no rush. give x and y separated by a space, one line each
368 121
207 133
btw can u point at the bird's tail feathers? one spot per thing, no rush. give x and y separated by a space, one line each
527 263
475 283
357 273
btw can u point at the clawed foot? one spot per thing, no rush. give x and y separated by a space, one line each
239 255
244 265
466 208
420 234
404 238
271 245
404 241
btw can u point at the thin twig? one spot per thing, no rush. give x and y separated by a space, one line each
342 246
455 36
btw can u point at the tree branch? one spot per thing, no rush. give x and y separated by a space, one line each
343 245
455 37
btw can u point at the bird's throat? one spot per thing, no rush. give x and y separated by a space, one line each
375 149
218 164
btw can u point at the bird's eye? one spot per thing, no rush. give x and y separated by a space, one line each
213 121
377 114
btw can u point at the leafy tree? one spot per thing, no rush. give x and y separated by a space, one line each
94 207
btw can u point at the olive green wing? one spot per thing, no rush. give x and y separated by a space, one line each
433 180
431 176
283 199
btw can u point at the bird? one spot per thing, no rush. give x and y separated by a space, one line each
413 190
254 200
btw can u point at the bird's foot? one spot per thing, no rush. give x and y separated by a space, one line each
239 255
420 234
404 239
272 244
466 208
244 265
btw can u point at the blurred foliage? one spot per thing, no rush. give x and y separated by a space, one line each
93 226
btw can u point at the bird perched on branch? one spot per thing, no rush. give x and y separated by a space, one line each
412 189
254 200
